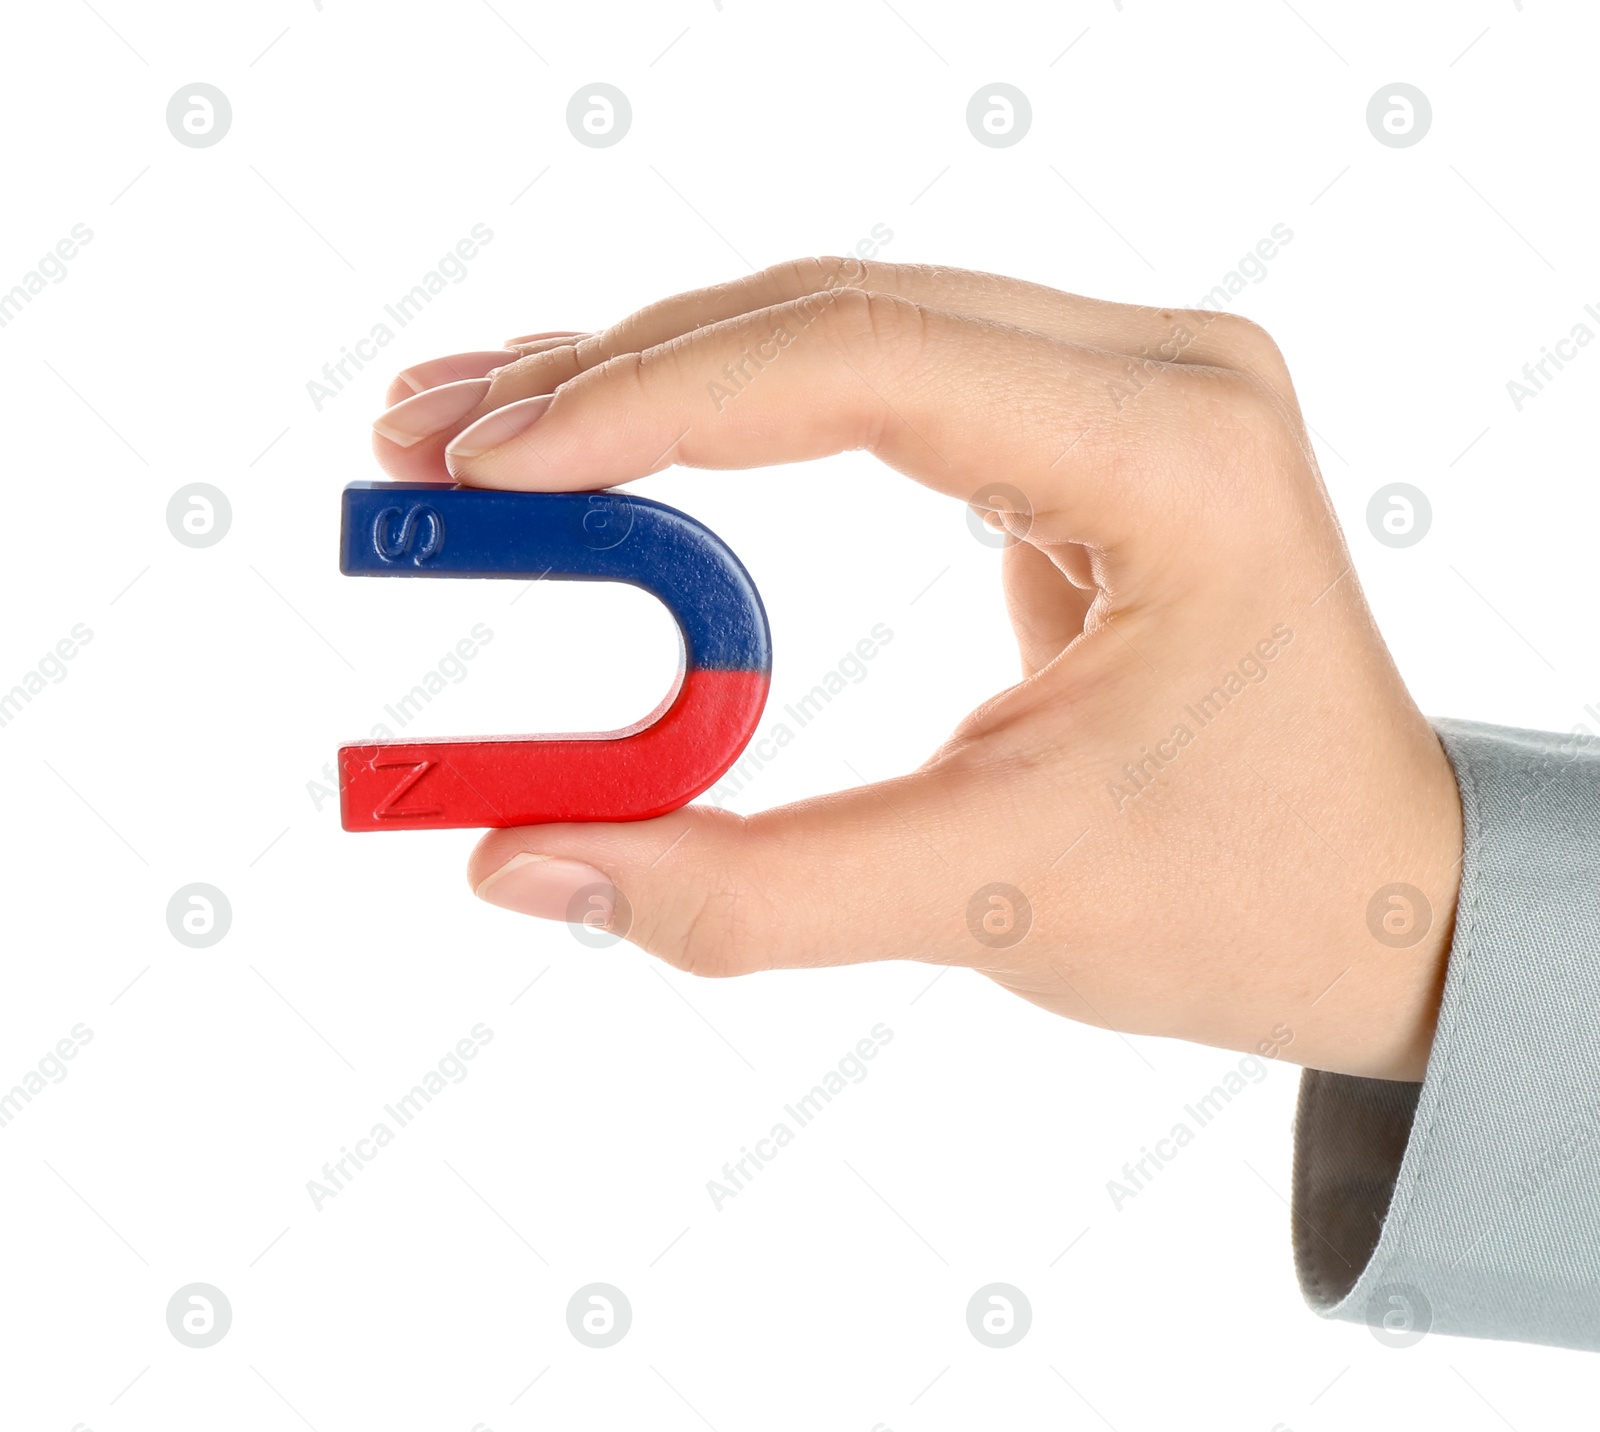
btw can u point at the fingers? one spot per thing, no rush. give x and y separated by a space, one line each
452 369
1150 337
945 399
1167 335
477 364
409 439
715 893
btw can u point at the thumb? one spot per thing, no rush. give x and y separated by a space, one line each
837 880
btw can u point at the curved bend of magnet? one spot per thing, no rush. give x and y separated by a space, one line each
428 530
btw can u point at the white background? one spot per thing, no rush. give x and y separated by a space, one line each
366 140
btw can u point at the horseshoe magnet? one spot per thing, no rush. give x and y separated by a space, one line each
407 529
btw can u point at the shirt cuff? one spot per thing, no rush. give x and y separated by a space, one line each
1470 1203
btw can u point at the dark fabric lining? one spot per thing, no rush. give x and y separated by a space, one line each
1348 1151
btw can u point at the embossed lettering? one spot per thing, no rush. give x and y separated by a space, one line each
415 771
394 547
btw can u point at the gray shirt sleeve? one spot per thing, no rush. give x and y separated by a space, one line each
1470 1203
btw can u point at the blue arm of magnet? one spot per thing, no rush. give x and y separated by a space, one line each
419 529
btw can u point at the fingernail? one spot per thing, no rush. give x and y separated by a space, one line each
494 429
548 887
420 417
437 371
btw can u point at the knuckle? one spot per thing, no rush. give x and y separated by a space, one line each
1243 412
711 922
1250 346
883 324
714 940
880 338
536 373
821 274
637 331
1260 345
625 369
803 275
1258 407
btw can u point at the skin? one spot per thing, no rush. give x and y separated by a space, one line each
1174 527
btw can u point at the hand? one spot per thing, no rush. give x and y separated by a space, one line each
1210 768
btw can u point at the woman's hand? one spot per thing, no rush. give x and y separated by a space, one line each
1209 777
